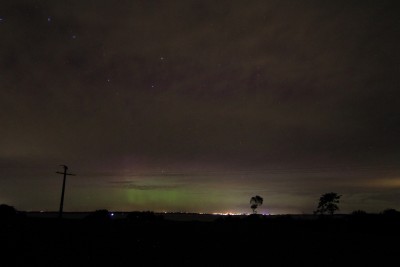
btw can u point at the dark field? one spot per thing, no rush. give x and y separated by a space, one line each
368 240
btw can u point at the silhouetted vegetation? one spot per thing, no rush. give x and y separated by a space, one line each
255 202
328 203
7 212
391 213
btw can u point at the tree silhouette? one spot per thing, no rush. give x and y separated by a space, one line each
255 202
7 212
391 213
328 203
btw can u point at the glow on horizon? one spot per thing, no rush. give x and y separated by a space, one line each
204 194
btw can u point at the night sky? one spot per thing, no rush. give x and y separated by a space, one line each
199 105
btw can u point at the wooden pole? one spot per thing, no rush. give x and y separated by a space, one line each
63 189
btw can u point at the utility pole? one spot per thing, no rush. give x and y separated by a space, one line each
63 188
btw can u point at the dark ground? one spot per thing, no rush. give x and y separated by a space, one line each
252 241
